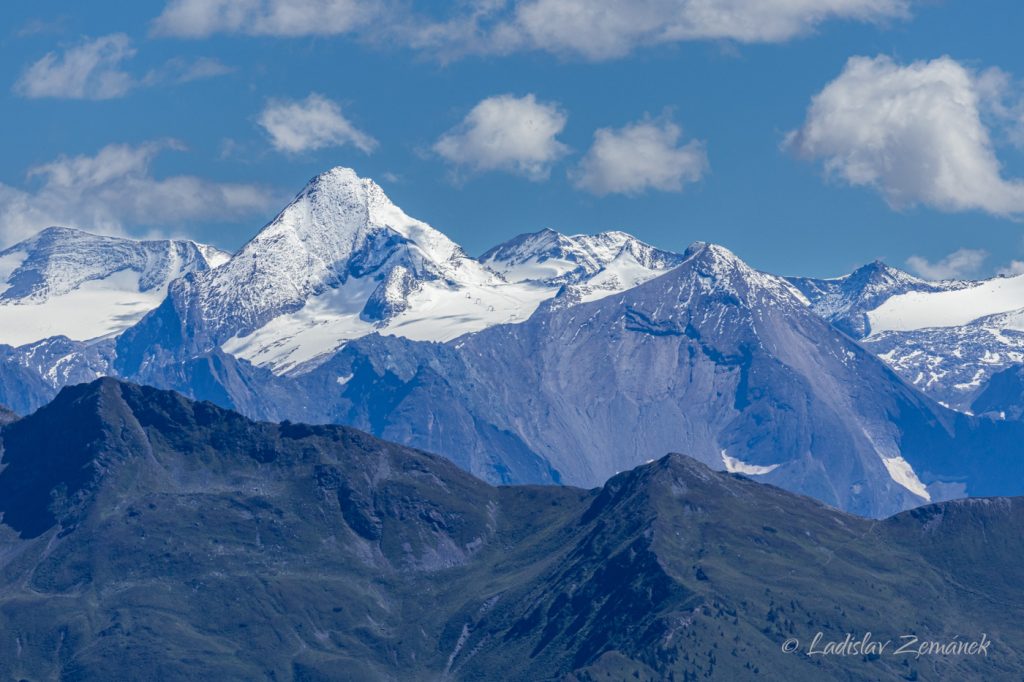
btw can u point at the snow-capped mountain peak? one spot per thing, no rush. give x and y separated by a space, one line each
65 281
343 223
58 260
847 301
554 258
715 268
341 250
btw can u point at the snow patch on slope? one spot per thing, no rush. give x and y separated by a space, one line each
66 282
736 466
95 309
922 310
900 471
214 257
436 312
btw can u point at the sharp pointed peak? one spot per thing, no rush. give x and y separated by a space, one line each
880 269
340 178
877 265
341 186
335 174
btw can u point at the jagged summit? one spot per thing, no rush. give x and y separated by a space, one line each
554 258
709 252
880 277
339 218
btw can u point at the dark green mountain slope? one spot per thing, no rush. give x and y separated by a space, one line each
146 537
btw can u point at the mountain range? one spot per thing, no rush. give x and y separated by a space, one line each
341 262
550 358
146 536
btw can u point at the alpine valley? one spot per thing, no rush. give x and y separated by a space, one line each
550 358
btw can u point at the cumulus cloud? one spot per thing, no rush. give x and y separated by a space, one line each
592 29
286 18
89 70
641 156
96 69
915 133
1016 267
507 133
959 264
313 123
601 29
114 192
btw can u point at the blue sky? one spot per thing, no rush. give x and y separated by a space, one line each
696 110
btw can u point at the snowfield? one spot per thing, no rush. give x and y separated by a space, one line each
95 309
66 282
923 310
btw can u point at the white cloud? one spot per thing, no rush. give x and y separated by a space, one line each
95 69
593 29
313 123
286 18
601 29
640 156
961 263
114 191
915 133
90 70
1016 267
507 133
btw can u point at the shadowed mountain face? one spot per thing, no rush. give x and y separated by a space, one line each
145 536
